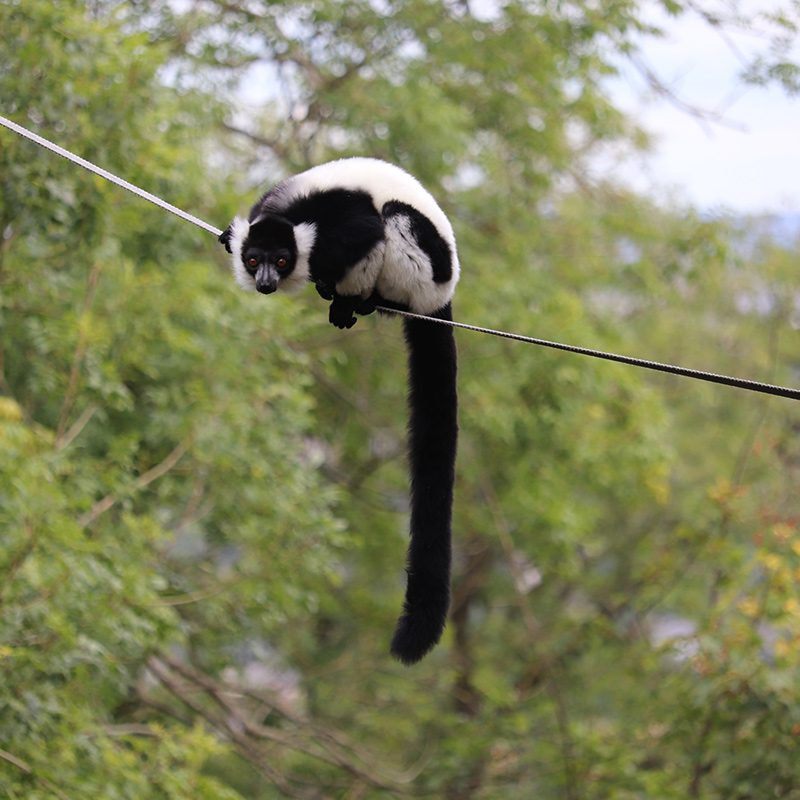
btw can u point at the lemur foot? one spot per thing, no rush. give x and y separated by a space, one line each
366 305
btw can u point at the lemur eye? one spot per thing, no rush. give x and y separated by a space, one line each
252 262
281 263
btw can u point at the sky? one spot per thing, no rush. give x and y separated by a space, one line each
749 163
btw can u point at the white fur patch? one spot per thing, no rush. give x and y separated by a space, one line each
305 234
407 274
240 227
362 277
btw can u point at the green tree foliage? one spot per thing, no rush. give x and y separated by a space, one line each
157 457
203 493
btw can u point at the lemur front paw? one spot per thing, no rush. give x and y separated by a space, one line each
341 311
225 238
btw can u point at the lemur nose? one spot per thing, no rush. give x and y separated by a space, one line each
266 287
266 280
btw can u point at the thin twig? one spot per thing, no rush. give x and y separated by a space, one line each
275 145
18 559
77 427
17 762
165 678
565 738
80 352
703 116
129 729
140 483
330 753
25 767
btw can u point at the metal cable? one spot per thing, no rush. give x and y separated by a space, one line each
711 377
109 176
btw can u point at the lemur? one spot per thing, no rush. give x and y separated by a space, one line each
368 234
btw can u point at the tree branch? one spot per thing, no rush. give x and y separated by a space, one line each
17 762
276 146
25 767
75 429
146 478
80 352
703 116
171 684
237 725
18 559
565 738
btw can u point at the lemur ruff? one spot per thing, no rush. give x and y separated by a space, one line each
368 234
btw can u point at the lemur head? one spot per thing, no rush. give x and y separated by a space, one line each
269 253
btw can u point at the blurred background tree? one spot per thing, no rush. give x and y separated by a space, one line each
202 493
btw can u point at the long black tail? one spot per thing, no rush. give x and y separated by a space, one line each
433 432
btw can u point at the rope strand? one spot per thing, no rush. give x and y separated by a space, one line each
696 374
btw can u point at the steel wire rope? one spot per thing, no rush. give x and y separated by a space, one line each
696 374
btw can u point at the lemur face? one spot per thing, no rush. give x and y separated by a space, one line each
267 267
269 252
266 253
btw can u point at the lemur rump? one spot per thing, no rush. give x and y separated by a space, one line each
368 234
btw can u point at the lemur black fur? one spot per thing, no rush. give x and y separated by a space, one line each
366 233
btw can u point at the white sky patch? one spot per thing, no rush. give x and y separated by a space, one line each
749 162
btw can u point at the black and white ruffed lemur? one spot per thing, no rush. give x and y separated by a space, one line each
368 234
